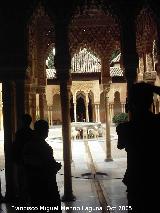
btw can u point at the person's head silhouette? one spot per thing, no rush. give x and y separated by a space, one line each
26 120
41 128
141 96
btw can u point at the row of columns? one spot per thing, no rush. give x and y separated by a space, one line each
97 115
95 111
95 107
86 100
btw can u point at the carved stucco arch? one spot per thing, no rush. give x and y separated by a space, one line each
41 37
94 27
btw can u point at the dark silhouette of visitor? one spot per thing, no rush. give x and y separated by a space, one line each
139 137
22 136
41 169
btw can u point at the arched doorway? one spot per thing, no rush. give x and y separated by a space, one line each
90 110
81 109
72 110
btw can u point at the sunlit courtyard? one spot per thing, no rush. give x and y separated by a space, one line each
55 141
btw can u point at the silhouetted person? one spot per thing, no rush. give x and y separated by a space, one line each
22 136
41 169
139 137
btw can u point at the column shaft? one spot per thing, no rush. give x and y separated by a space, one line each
108 136
86 105
42 106
75 113
98 115
66 127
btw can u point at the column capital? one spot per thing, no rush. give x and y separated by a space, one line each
74 98
106 87
41 89
86 97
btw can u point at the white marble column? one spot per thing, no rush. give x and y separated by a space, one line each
1 114
75 107
108 136
51 115
75 112
86 104
95 113
98 115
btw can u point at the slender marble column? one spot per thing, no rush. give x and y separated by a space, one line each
86 104
51 115
108 136
75 113
98 115
1 114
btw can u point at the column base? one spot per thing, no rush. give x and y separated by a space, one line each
108 159
68 198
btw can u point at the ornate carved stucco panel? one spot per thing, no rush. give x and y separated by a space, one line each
93 28
146 31
41 36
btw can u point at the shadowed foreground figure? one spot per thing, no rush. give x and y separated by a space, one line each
22 136
41 169
140 138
